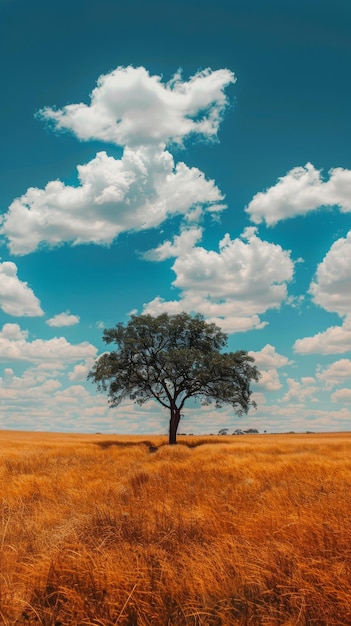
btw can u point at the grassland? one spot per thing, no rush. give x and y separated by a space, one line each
99 530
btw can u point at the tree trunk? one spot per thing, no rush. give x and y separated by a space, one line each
173 425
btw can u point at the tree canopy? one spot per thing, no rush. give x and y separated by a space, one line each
171 358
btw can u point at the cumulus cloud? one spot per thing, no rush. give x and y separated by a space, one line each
342 396
33 384
268 361
230 287
63 319
334 340
145 186
182 244
269 381
301 391
130 107
300 417
139 191
15 346
35 400
336 373
300 191
16 297
268 358
331 288
81 371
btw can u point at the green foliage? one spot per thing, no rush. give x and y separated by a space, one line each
170 359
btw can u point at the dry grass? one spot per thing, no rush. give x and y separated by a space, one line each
99 530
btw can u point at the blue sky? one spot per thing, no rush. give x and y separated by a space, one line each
166 157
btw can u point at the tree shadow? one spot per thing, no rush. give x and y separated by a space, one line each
105 444
123 444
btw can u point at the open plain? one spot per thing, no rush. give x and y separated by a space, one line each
104 530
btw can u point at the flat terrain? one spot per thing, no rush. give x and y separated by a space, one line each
104 530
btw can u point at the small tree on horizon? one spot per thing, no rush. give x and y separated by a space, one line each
171 358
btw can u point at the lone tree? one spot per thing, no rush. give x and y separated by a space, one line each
172 358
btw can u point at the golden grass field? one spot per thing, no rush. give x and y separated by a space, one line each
99 530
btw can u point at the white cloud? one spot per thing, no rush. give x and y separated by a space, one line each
14 346
258 397
299 418
230 287
81 371
76 394
16 298
268 358
63 319
33 384
300 191
343 396
332 287
301 391
35 399
336 373
130 107
308 380
334 340
139 191
269 380
143 188
182 244
236 323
